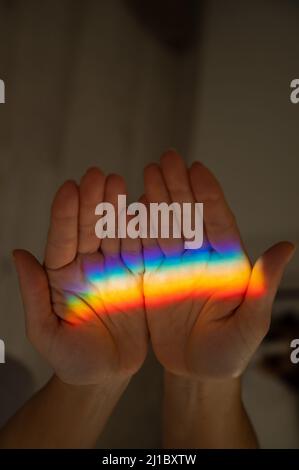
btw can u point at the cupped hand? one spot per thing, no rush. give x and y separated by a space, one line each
208 309
84 307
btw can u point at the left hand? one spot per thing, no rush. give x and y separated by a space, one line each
207 316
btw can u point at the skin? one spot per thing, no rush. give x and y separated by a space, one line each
205 415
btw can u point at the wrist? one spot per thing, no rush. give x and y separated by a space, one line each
78 407
205 414
108 385
230 389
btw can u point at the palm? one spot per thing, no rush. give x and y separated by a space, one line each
87 298
199 323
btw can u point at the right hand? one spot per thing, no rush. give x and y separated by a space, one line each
76 305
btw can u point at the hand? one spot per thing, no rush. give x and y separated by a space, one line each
84 307
208 309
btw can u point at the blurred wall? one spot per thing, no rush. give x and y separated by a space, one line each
245 127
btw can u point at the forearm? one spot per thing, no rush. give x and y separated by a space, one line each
201 415
63 416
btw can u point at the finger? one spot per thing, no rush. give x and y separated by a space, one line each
176 177
220 224
156 192
131 248
255 311
92 187
33 281
115 186
62 240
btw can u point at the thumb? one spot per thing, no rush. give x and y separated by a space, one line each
35 293
263 285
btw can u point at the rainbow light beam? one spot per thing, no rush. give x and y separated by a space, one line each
110 287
